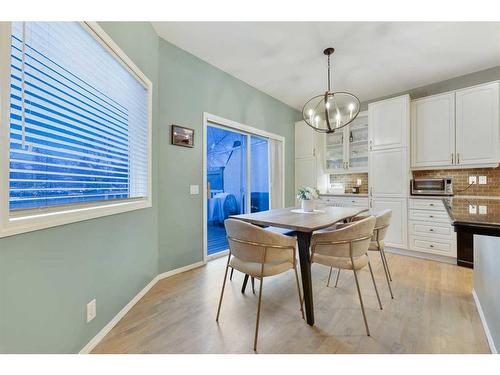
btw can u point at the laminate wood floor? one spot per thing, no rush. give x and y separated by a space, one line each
433 312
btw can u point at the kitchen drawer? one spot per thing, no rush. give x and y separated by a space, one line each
429 216
434 246
345 202
430 229
427 204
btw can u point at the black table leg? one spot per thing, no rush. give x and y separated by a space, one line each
304 240
245 280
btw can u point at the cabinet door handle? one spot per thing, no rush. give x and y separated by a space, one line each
452 158
431 204
431 245
431 230
371 191
314 152
458 158
431 216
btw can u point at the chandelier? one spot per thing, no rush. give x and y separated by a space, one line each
331 111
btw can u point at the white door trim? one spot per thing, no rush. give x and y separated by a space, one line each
249 130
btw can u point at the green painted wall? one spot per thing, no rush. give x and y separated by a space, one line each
189 87
47 277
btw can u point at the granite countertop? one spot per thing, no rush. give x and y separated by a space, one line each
474 210
348 195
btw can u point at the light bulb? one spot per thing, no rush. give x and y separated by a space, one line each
327 105
337 116
310 113
316 120
351 107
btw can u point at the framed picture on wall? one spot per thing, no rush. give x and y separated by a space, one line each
182 136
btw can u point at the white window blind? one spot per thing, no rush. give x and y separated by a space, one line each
78 120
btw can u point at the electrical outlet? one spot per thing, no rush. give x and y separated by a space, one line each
482 180
472 180
91 310
194 189
472 209
483 210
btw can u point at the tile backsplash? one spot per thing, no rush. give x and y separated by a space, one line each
461 180
349 181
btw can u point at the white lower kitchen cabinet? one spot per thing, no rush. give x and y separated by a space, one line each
350 201
430 229
398 230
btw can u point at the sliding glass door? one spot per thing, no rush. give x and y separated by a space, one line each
259 174
226 182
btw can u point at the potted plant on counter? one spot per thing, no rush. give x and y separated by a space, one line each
307 195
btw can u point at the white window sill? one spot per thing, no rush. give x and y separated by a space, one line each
33 221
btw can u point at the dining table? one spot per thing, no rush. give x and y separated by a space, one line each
303 224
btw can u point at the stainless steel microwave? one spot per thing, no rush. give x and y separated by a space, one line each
432 186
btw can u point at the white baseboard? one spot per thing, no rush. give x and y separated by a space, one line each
484 323
180 270
108 327
421 255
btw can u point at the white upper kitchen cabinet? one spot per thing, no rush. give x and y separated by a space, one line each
477 123
305 173
389 173
433 131
389 123
346 151
304 141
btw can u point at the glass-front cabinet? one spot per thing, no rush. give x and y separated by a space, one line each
346 151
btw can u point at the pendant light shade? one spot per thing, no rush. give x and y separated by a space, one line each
331 111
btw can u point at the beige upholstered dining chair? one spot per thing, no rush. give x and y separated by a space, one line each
259 253
376 244
347 248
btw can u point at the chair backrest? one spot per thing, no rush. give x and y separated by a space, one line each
352 240
253 244
382 224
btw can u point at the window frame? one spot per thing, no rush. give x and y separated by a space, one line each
22 221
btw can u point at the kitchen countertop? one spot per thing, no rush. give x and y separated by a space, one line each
348 195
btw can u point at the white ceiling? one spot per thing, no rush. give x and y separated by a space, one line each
372 59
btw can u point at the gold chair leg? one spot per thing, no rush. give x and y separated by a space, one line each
386 263
361 301
223 285
258 315
374 284
386 272
300 295
329 275
337 280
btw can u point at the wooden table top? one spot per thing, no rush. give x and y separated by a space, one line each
302 222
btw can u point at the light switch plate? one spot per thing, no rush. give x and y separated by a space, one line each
194 189
483 210
91 310
472 209
482 180
472 180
